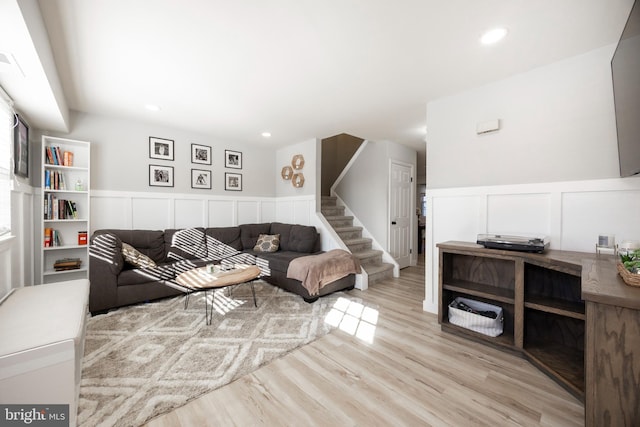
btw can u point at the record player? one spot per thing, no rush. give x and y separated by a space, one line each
514 243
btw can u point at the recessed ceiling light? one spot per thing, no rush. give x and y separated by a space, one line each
152 107
493 36
266 134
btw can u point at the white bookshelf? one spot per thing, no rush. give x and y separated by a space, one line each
59 201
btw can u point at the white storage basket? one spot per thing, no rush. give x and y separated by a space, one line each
482 324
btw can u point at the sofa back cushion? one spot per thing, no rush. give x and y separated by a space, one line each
222 242
148 242
188 243
229 236
284 230
303 238
249 233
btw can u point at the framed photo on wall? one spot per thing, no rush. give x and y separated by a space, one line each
21 148
200 154
160 176
160 148
232 159
232 181
201 178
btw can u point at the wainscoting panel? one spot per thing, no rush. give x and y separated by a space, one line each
189 212
114 209
268 211
301 212
110 212
586 215
6 252
456 217
284 211
222 213
151 214
22 251
248 212
519 214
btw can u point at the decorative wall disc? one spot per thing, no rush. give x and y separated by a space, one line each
297 162
297 180
287 172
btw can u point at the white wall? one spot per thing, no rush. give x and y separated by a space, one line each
365 187
283 158
557 122
120 157
554 163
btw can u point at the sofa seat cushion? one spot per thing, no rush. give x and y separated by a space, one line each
137 276
278 261
184 265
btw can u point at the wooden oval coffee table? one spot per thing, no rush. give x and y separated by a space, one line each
200 279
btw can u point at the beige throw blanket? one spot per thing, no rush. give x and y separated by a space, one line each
316 271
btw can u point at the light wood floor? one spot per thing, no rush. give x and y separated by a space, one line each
412 374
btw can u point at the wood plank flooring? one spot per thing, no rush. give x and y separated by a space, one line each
412 374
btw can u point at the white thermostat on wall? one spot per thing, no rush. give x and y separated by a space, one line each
488 126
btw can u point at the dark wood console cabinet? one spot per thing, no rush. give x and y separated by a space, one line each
569 313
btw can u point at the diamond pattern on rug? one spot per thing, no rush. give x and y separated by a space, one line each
144 360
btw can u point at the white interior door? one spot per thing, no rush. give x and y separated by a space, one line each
400 213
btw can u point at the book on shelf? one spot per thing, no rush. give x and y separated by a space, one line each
54 180
52 238
67 264
49 155
47 237
57 238
55 209
56 156
68 158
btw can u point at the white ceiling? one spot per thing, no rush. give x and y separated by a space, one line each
297 68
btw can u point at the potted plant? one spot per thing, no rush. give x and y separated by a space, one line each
629 267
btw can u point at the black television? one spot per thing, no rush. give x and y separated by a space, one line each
625 70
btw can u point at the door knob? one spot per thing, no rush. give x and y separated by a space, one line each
393 223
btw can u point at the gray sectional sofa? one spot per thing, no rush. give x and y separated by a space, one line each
115 282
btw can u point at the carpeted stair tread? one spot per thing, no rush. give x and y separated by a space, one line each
378 268
363 255
346 229
339 218
357 241
333 211
376 273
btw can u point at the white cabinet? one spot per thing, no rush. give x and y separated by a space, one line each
65 209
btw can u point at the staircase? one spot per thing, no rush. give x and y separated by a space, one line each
370 259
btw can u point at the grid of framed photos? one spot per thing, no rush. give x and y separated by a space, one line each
163 175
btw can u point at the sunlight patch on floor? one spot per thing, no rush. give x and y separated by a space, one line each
353 318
